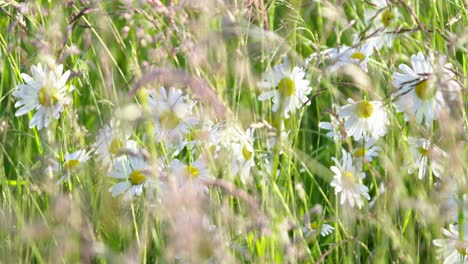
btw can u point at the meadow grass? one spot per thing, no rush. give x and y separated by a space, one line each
217 52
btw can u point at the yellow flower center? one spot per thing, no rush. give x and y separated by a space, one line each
47 96
115 146
71 164
387 17
246 152
192 171
360 152
425 90
349 177
358 55
286 87
137 177
169 120
423 151
313 225
364 109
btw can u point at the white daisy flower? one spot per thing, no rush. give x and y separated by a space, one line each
367 152
207 136
314 227
364 119
421 88
243 153
452 249
46 92
288 88
173 111
134 171
110 142
348 181
72 162
383 18
344 55
193 173
423 156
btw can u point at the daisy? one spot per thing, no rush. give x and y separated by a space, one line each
46 92
288 88
243 153
424 155
110 143
358 55
173 111
207 136
420 88
452 249
383 19
72 162
134 171
312 228
367 152
348 181
193 173
364 119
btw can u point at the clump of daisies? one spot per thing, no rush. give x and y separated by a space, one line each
421 87
287 87
46 91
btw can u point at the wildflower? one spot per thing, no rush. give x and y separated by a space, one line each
314 227
348 181
46 92
358 55
173 112
134 172
420 88
72 162
243 153
452 249
110 142
422 151
364 119
366 152
287 88
193 173
382 17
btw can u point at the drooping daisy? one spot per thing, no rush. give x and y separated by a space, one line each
424 156
383 20
420 88
173 112
288 88
134 173
46 92
364 119
452 249
111 141
347 181
72 162
357 55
